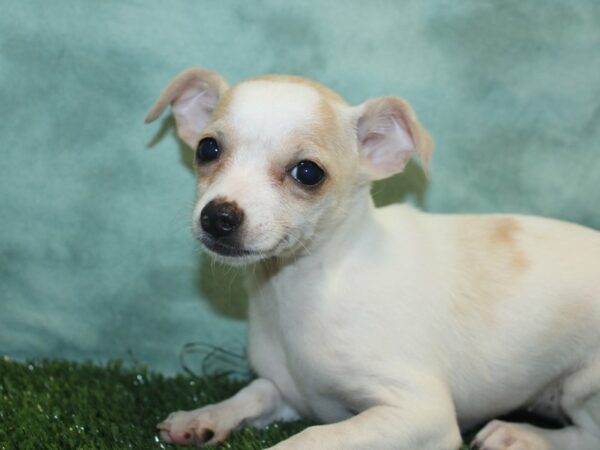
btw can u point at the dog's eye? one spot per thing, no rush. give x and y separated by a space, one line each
208 150
308 173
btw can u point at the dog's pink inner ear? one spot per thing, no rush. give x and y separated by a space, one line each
193 96
192 110
388 134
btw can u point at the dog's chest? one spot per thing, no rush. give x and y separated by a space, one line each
330 335
297 342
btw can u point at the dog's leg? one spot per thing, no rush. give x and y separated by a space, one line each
422 418
580 400
258 404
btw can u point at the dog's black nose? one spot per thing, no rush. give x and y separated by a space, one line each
221 218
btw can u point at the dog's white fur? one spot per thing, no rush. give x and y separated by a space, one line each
394 327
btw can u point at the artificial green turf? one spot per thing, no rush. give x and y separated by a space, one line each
66 405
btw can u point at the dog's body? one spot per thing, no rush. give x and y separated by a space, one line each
396 327
491 304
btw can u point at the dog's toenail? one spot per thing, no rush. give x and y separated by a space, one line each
206 435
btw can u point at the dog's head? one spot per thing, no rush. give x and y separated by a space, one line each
280 159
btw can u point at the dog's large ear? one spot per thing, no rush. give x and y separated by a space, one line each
388 134
193 95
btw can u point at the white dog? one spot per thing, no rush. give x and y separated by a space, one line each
394 328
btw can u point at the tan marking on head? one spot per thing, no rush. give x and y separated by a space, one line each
327 136
223 105
325 132
324 91
278 175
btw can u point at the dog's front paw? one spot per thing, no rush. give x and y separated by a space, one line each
498 435
198 427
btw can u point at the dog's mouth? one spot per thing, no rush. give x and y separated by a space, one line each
223 249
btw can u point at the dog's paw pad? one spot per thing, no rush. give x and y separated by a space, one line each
204 435
197 427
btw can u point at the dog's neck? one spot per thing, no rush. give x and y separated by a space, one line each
339 238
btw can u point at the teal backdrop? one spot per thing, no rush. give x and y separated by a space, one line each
96 256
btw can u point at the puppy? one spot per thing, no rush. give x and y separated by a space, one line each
393 328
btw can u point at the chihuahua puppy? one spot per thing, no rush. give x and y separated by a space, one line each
393 328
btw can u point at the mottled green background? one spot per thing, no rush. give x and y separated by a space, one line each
96 257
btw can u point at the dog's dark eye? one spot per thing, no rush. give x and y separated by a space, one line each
308 173
208 150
